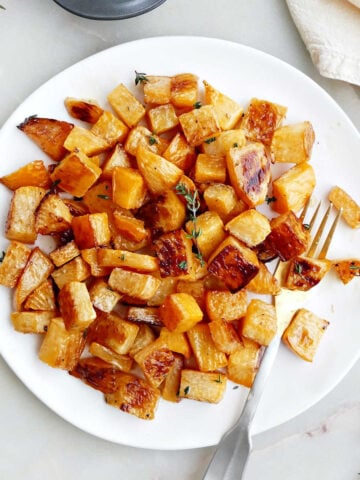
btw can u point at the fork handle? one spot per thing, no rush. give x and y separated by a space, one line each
231 456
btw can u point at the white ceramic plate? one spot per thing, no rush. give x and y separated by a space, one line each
242 73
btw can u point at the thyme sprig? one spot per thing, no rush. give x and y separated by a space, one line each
140 77
192 205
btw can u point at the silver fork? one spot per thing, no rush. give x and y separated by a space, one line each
233 451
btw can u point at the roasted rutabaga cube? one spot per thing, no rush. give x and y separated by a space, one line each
112 331
102 296
85 110
33 174
135 396
264 282
116 157
212 232
304 333
42 298
174 252
171 385
293 188
110 128
202 386
222 199
61 348
64 253
126 105
32 322
210 168
347 269
164 213
13 263
36 271
251 227
199 124
180 153
304 272
96 373
122 362
109 257
225 336
350 209
76 173
227 110
52 216
157 90
224 305
75 270
288 237
180 311
261 120
20 223
142 136
260 322
75 306
234 263
162 118
137 285
159 174
48 134
176 341
91 230
128 187
84 140
184 90
155 361
293 143
244 363
208 357
249 172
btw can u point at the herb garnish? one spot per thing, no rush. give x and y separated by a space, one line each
306 226
354 267
2 256
152 140
183 265
197 105
192 205
270 199
298 268
140 77
218 380
186 390
122 257
235 145
104 197
210 140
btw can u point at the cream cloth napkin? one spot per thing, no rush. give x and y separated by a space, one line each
330 30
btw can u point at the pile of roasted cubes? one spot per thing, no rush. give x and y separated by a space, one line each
152 287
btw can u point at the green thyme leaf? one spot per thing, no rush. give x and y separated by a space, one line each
210 140
270 199
218 380
152 140
186 390
104 197
140 78
197 105
183 265
306 226
2 256
298 268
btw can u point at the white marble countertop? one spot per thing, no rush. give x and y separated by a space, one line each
38 39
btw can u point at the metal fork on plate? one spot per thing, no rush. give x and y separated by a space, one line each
232 453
